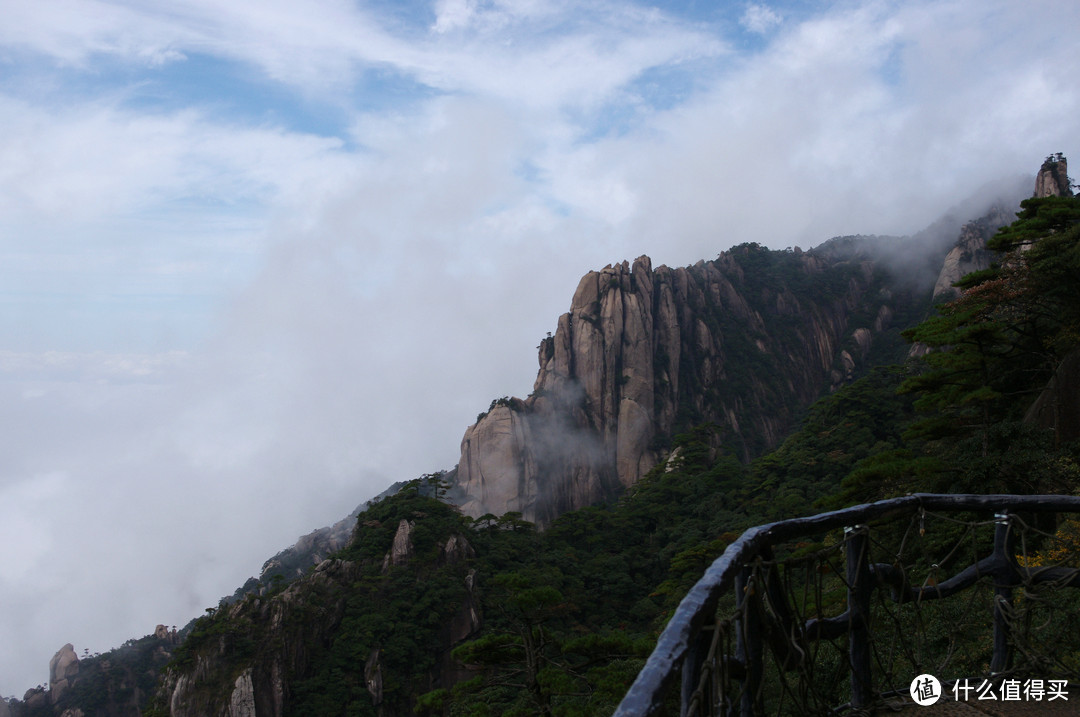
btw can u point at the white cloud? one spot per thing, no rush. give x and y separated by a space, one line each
71 31
97 160
760 19
453 14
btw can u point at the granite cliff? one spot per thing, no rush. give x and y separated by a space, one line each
745 341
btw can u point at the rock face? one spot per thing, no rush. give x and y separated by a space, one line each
402 549
242 701
1053 178
63 668
970 253
643 353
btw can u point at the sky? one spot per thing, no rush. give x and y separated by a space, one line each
259 260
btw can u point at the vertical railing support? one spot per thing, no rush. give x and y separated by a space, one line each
748 642
859 594
691 671
1004 543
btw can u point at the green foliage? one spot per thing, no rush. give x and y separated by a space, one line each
858 423
993 350
1038 219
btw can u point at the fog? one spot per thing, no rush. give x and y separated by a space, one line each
261 261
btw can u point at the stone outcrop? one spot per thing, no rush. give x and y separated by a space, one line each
35 699
402 549
969 254
63 669
645 352
242 701
1053 178
165 635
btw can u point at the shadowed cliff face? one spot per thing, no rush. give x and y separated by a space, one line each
745 341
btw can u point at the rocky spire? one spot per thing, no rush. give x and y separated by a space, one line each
63 668
1053 179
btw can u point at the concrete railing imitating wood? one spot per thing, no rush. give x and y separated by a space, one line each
682 651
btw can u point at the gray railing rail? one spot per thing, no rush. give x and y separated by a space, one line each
681 649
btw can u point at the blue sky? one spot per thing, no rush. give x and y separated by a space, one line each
258 260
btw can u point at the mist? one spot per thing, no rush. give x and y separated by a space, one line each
261 262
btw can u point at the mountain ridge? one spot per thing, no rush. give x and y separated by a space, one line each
601 378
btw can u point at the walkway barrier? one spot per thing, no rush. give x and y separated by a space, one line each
838 612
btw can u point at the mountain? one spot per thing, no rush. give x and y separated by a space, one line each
638 452
746 342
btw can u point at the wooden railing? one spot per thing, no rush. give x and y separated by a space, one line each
717 677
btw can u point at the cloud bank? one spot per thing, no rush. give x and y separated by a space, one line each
262 260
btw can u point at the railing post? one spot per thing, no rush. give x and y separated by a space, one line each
859 594
1003 547
691 671
748 642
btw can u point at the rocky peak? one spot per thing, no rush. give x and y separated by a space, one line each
970 254
63 668
1053 178
643 352
163 633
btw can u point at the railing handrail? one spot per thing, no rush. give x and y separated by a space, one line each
645 696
